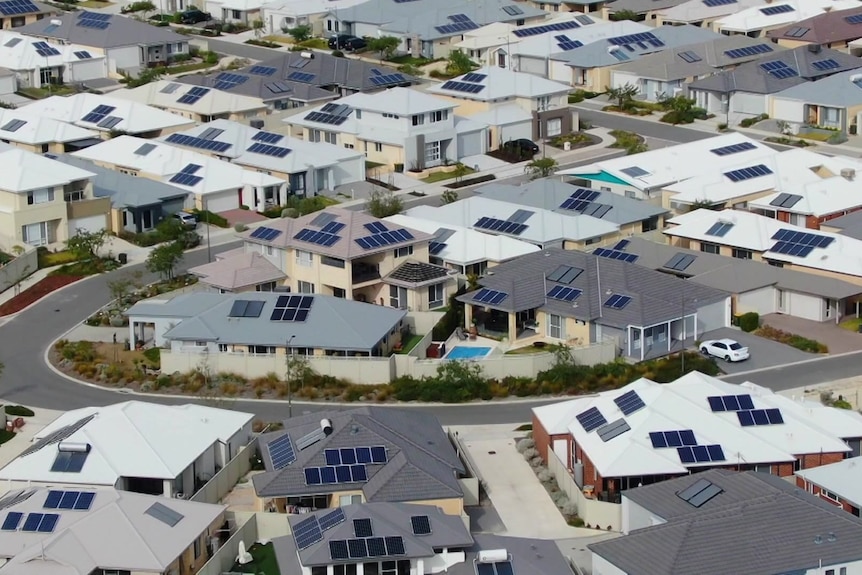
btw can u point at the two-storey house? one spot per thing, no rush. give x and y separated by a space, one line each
43 201
336 252
17 14
40 134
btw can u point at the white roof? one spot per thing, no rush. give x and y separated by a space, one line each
753 18
18 53
166 161
166 94
491 35
295 8
466 246
39 129
793 171
135 118
24 171
115 533
665 166
683 405
844 479
754 232
130 439
500 83
543 45
543 226
696 11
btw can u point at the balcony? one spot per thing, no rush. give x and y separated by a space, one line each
362 273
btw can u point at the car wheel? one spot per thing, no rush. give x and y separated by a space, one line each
704 351
727 358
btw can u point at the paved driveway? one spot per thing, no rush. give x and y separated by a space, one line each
765 353
837 339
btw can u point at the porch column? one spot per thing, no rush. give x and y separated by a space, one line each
513 326
629 340
468 315
132 324
670 334
643 344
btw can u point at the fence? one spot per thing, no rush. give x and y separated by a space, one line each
599 514
225 480
19 268
469 485
224 558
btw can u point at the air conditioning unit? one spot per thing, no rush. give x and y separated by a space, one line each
256 123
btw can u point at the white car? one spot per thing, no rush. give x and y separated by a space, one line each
726 349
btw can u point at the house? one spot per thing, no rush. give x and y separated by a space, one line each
834 103
539 107
643 176
35 64
397 538
757 21
80 532
227 327
632 216
309 166
680 521
44 201
108 115
217 185
664 74
127 44
8 87
566 6
698 13
837 483
543 228
464 250
830 29
17 15
659 431
298 79
849 225
589 66
245 12
646 10
282 15
482 44
137 204
429 28
40 134
744 91
378 446
753 236
579 299
755 287
401 126
132 446
337 252
177 99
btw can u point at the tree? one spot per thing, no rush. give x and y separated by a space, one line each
124 284
459 63
384 45
625 15
541 167
681 110
85 244
460 171
383 203
300 33
145 77
164 259
257 26
448 197
623 95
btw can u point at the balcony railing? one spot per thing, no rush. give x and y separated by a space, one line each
365 272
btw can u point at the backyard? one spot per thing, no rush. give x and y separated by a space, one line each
263 561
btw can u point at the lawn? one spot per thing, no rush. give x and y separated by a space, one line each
816 136
183 68
442 176
408 59
278 39
94 4
6 435
851 324
49 259
527 350
410 343
39 93
263 561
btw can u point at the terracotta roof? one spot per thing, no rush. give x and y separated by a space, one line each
823 29
238 271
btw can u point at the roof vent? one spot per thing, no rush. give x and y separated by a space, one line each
308 55
493 556
848 174
74 446
326 426
814 48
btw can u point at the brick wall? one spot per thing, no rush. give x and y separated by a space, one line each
817 459
540 436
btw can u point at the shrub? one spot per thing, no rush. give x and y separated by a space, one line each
337 54
452 319
240 227
18 410
791 339
749 322
153 354
722 127
211 218
748 122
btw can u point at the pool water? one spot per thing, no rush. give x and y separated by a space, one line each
465 352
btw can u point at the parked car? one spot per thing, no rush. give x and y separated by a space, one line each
727 349
194 17
521 146
188 220
346 42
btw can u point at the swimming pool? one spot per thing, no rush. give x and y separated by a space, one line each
466 352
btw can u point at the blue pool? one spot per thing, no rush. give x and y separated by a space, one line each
465 352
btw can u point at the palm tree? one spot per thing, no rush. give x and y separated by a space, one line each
623 95
541 167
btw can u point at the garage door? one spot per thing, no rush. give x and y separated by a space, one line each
222 202
88 224
172 206
516 131
470 144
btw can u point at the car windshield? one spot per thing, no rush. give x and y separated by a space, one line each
735 346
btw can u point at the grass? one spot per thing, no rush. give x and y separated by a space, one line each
94 4
278 38
525 427
527 350
50 259
39 93
263 561
441 176
851 324
315 43
817 136
408 59
5 436
183 68
128 358
410 343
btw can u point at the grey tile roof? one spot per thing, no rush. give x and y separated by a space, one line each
121 31
669 65
421 463
824 29
413 273
737 275
656 297
759 525
529 556
124 190
642 6
332 323
839 91
550 193
750 77
849 224
330 76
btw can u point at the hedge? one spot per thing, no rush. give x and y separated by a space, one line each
19 410
749 321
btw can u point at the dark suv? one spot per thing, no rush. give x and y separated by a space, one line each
346 42
521 146
194 17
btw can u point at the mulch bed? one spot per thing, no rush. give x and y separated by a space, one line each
39 290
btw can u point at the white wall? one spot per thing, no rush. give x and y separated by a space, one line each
516 131
636 517
788 110
603 567
124 58
532 65
762 301
8 84
620 79
714 316
805 306
745 103
349 171
560 71
221 201
84 70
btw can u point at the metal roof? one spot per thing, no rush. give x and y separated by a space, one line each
120 31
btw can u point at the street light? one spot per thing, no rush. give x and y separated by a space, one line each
289 374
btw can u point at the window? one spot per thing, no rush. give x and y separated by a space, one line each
35 234
397 297
543 103
418 119
709 248
649 224
742 254
304 258
236 14
829 304
554 127
432 151
268 286
320 570
439 116
388 115
368 569
330 137
403 252
348 146
261 349
197 546
332 262
305 287
378 147
435 296
358 114
345 500
555 327
40 197
339 292
222 347
46 148
314 135
828 495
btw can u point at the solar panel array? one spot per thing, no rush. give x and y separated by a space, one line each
536 30
319 238
784 200
45 49
730 402
292 308
421 525
386 79
580 199
591 419
324 118
40 522
748 173
228 80
719 229
496 568
268 150
490 296
564 274
353 455
474 77
13 7
331 519
733 149
109 122
689 56
675 438
69 461
12 520
200 143
15 497
57 436
262 70
193 95
565 43
613 429
823 65
634 171
281 452
748 51
83 55
94 20
854 19
267 137
435 248
796 243
297 76
503 226
714 3
617 301
641 39
680 262
699 493
564 293
307 532
332 227
14 42
384 238
754 417
345 549
331 474
246 308
278 87
700 453
779 9
98 114
460 23
77 500
13 125
797 32
186 176
779 69
512 10
615 255
456 86
629 402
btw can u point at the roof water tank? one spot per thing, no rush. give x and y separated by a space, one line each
493 556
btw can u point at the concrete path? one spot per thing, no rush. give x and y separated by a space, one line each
24 437
837 339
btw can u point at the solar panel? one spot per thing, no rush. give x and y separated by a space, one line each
267 137
185 179
394 545
300 77
45 49
784 200
357 549
719 229
828 64
456 86
621 245
754 417
170 88
714 3
421 525
680 262
315 237
338 550
634 171
490 296
83 55
512 10
617 301
796 243
292 308
57 436
615 255
689 56
557 26
612 430
281 452
268 150
797 32
331 519
262 70
376 547
89 23
195 142
564 274
779 69
503 226
193 95
40 522
15 497
854 19
278 87
348 455
563 293
707 493
385 238
700 453
145 149
733 149
473 77
98 114
13 7
435 248
13 125
755 50
307 532
109 122
591 419
642 38
629 402
13 42
378 455
164 514
12 521
69 461
779 9
362 527
730 402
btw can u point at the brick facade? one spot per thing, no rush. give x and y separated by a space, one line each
540 436
832 499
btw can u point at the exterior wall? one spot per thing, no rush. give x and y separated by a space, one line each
19 268
788 110
8 84
9 23
637 517
837 501
123 58
84 70
602 566
187 560
713 316
762 301
541 437
449 506
749 104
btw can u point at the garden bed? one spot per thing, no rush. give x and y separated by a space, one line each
471 182
111 314
577 140
785 141
507 157
33 294
791 339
